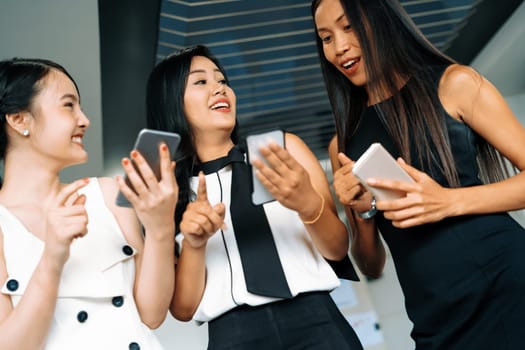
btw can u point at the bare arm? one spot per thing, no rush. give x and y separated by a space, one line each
154 205
26 326
473 100
199 222
296 179
366 247
328 231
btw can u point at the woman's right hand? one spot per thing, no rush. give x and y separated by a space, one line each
66 220
201 220
347 187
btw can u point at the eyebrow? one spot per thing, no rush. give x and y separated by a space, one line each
71 96
203 71
339 19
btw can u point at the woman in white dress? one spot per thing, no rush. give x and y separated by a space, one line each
76 272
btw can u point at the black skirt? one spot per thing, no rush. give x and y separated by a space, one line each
308 321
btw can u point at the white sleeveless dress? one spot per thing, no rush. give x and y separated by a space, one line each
95 307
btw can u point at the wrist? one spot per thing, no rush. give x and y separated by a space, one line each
369 214
313 219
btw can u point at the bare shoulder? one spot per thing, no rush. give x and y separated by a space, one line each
295 145
293 140
108 186
107 183
458 76
109 189
458 88
126 217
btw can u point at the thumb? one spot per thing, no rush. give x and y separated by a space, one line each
343 159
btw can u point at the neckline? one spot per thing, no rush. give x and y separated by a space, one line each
235 154
16 220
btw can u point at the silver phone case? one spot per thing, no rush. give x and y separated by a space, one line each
147 143
260 194
376 162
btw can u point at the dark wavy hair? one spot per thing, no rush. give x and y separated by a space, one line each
20 82
165 111
395 49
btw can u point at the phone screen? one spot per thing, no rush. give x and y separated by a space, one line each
147 143
260 194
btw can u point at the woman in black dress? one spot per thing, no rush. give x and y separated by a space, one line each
456 250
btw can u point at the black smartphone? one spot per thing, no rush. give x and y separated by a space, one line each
147 143
260 194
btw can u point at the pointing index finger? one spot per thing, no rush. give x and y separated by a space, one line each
202 194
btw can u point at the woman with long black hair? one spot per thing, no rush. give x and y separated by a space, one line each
456 250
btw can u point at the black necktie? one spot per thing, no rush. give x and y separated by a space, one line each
262 267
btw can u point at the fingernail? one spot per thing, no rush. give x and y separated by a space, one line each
125 161
164 147
134 154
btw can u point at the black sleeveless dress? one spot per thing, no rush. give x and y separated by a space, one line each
463 278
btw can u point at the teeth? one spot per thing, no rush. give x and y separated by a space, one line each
349 63
220 105
77 139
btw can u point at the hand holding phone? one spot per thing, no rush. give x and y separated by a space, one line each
260 194
378 163
147 144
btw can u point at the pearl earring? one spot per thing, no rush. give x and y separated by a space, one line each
25 132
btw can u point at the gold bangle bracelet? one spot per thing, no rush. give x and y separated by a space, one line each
314 220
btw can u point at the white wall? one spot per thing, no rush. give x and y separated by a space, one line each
65 31
517 104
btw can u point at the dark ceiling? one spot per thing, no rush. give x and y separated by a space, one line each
268 50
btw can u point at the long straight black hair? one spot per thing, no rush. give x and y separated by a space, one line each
165 111
395 49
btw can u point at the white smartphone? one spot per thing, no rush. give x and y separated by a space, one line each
260 194
147 143
378 163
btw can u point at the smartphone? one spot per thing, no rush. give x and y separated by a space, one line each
378 163
260 194
147 143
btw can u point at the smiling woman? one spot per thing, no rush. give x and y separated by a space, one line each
68 255
456 250
283 301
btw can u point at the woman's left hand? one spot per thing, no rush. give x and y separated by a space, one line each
287 180
154 200
425 202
